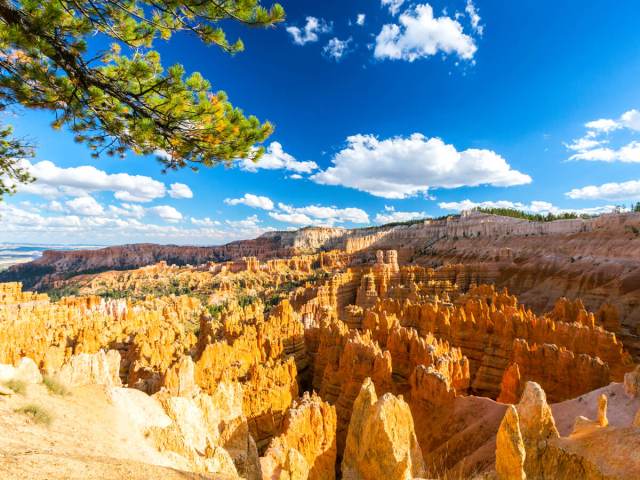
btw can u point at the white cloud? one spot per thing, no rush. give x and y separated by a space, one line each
474 17
295 176
294 218
603 125
22 224
249 226
585 143
609 191
167 213
536 206
309 33
180 190
275 158
390 215
401 167
55 206
592 147
52 181
205 222
629 153
360 19
128 210
337 48
631 120
85 206
319 215
332 214
393 5
251 200
420 35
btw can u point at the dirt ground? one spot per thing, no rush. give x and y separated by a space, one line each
87 439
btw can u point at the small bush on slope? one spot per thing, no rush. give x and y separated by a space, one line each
37 413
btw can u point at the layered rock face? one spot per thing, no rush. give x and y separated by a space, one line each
307 446
529 445
331 365
381 442
594 259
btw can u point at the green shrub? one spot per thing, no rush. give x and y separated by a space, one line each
18 386
54 386
246 300
216 310
533 217
37 413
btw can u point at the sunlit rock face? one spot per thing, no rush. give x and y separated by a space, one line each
381 441
306 448
529 445
354 362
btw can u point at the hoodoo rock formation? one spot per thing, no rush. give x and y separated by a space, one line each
349 363
381 442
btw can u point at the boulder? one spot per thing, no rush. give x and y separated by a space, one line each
92 369
26 370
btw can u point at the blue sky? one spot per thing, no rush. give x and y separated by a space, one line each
419 109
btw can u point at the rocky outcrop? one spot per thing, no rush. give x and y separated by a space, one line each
593 450
485 325
381 441
307 447
632 383
560 372
92 369
26 370
510 448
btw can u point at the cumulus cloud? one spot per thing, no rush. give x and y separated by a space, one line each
22 223
275 158
85 206
128 210
604 125
180 190
360 19
419 34
474 17
593 147
205 222
310 32
251 200
247 223
54 181
608 191
167 213
294 218
390 215
536 206
55 206
336 48
629 153
318 215
401 167
392 5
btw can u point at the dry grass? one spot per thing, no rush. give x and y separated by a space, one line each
37 413
18 386
54 386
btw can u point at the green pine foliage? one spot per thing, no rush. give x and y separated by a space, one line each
124 98
11 151
534 217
